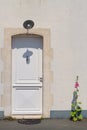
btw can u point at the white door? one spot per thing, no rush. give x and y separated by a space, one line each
27 75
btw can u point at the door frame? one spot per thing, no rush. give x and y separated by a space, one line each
7 72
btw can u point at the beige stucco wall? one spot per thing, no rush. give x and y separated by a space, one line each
67 21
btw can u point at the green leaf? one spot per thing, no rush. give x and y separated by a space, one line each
80 117
74 118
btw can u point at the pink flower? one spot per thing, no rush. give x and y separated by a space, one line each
76 85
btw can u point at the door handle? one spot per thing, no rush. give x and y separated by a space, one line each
41 79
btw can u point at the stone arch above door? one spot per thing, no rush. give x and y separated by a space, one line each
7 74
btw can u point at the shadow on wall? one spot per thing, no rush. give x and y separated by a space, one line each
27 55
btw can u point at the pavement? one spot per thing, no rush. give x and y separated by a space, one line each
44 124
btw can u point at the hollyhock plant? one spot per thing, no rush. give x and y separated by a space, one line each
76 110
76 84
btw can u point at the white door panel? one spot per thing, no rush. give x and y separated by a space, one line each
27 100
26 74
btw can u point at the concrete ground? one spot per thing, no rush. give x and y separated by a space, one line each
46 124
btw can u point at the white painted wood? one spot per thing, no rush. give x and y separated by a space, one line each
26 73
27 100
